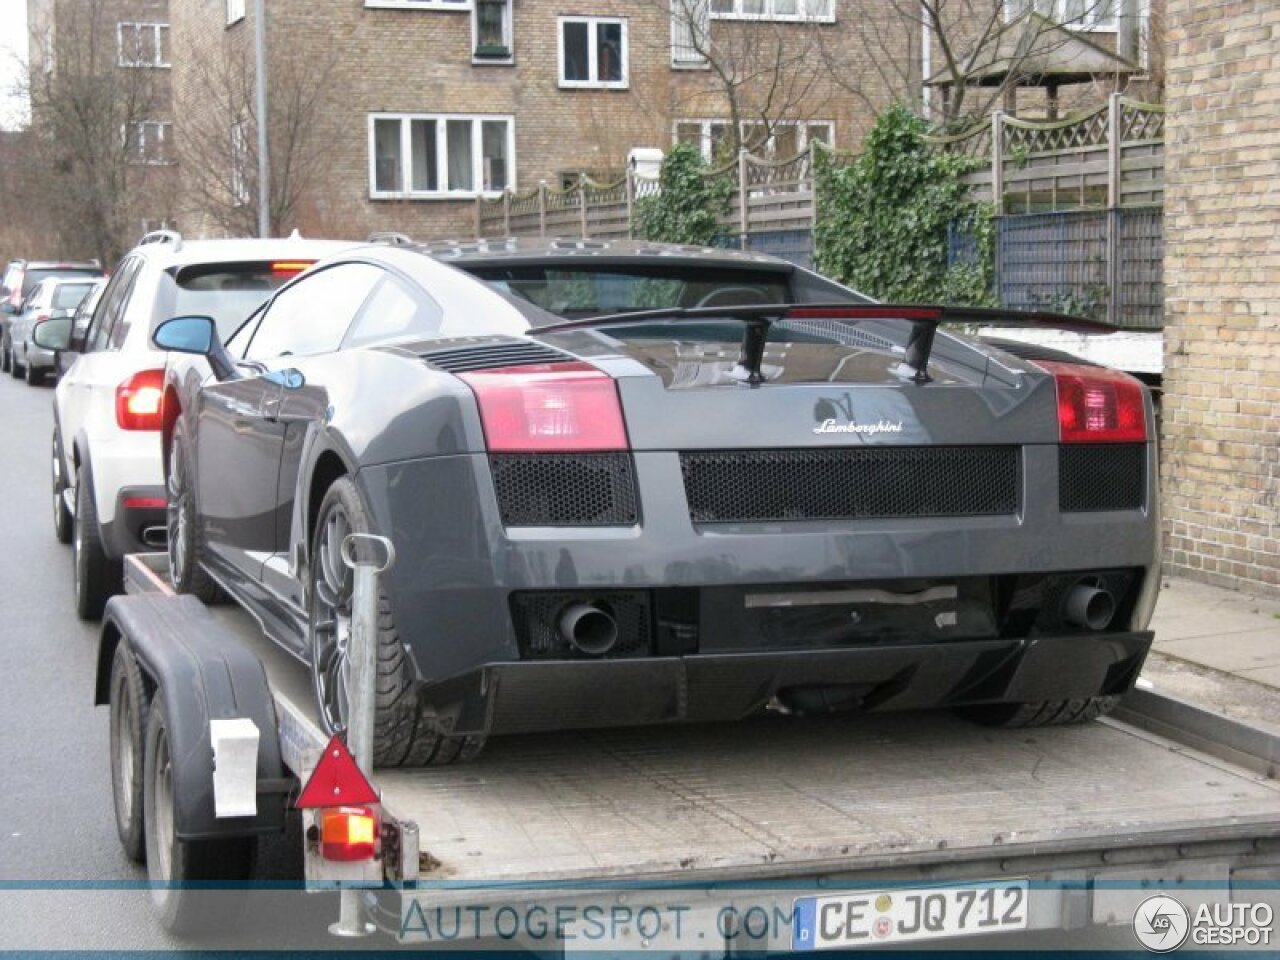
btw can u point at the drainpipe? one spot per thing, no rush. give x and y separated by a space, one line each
926 55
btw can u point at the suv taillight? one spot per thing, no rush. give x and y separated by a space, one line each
1097 405
140 401
551 407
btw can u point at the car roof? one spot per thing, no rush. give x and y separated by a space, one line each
187 252
549 250
59 264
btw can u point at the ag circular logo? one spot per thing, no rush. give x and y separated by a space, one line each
1161 923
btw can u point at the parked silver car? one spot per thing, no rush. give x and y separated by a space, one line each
51 297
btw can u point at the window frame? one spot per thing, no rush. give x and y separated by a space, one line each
508 36
157 62
236 11
238 181
140 156
442 154
593 66
445 6
705 141
802 14
1090 23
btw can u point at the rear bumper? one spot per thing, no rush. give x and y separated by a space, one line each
138 521
527 697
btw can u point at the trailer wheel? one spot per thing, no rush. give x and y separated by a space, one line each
1044 713
197 886
128 722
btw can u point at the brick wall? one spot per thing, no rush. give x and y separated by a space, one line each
1221 469
420 61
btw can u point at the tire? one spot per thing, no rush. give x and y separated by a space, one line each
97 576
191 880
62 519
15 370
34 376
5 360
181 523
403 734
128 724
1044 713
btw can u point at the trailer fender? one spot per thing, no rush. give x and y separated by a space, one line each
203 673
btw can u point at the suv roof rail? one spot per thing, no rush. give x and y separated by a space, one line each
162 236
391 237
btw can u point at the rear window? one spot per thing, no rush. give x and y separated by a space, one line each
35 276
67 296
576 292
228 292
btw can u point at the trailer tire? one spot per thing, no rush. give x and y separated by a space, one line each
1043 713
128 704
197 886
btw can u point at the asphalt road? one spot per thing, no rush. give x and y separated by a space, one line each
65 884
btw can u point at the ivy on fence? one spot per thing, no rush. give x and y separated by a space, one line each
883 219
689 203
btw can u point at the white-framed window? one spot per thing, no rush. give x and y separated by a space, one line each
690 26
239 164
149 142
235 11
1097 15
491 31
593 52
142 44
454 5
780 140
47 50
820 10
440 154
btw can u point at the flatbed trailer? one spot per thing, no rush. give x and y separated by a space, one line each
820 827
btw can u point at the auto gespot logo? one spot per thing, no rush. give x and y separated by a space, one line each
1162 924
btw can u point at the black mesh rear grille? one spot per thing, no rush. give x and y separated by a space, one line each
565 489
516 353
879 482
537 618
1101 476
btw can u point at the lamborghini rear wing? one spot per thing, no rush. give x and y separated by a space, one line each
924 319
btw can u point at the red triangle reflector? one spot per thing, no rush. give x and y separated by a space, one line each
336 781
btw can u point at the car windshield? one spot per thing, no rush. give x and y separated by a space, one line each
67 296
590 291
227 292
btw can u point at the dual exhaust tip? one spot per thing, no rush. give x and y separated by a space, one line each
588 628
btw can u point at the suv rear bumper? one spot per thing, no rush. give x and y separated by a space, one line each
138 524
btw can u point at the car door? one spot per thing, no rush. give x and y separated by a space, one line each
73 398
240 431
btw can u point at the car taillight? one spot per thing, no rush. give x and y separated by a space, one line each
139 401
1096 405
560 407
291 266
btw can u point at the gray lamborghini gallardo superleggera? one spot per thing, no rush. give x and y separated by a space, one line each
631 484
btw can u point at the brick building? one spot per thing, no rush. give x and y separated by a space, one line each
1222 276
101 117
426 103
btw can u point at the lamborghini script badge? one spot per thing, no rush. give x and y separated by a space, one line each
865 429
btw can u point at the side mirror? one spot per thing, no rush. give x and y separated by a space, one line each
53 333
197 335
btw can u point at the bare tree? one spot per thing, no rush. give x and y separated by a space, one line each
218 143
100 143
980 50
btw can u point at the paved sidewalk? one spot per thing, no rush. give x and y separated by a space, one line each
1225 630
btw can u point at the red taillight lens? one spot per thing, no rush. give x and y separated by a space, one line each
348 833
140 401
291 266
1096 405
560 407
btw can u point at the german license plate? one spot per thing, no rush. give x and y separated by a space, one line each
904 915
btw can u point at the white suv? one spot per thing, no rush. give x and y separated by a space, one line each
108 480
